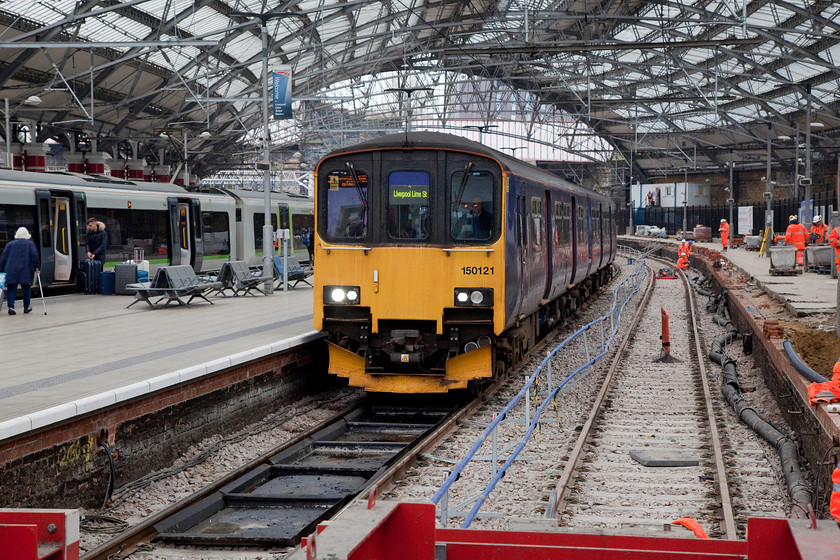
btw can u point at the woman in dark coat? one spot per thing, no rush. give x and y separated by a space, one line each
19 260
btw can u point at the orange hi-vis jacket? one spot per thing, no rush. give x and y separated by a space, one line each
797 236
821 231
835 493
684 247
834 241
724 234
682 262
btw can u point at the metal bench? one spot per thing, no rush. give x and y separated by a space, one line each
246 280
171 283
296 273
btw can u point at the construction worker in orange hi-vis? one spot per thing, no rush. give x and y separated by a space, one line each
834 241
797 236
683 247
834 507
682 262
819 231
650 198
724 233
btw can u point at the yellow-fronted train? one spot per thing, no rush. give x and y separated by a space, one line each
439 262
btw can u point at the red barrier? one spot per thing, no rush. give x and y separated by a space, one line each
407 531
33 534
666 333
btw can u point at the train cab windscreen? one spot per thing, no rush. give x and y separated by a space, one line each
347 204
408 205
472 205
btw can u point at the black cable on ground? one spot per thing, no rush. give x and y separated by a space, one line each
112 474
798 488
800 365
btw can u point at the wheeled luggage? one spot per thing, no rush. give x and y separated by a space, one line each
107 283
89 276
126 274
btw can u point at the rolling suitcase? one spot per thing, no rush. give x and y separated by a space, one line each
125 274
88 279
107 283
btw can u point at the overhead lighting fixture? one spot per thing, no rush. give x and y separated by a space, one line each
33 100
205 134
164 135
817 124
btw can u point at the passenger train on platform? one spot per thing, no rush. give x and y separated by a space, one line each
171 224
441 262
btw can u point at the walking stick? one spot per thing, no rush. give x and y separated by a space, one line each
41 286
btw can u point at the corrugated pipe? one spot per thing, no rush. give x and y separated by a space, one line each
798 487
800 365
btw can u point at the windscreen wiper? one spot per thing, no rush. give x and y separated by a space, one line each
355 177
463 185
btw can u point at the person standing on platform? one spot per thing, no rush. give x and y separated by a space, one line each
724 233
650 199
97 240
819 231
834 241
797 236
19 261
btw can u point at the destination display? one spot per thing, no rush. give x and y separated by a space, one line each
344 180
417 194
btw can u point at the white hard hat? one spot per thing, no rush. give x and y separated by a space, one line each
817 219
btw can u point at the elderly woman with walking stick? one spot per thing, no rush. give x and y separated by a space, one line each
19 261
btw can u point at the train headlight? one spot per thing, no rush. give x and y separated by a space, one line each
341 295
473 297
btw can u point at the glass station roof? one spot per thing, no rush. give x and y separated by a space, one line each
659 85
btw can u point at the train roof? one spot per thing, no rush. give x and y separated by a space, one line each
439 140
67 179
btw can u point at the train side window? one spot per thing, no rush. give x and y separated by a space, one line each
472 214
408 205
581 226
347 195
537 223
216 233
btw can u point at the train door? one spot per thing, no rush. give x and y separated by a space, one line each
522 241
198 234
548 246
600 227
180 247
42 236
62 228
573 222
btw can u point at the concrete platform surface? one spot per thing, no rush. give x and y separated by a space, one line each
803 294
89 350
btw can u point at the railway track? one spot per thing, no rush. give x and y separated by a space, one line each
282 495
650 451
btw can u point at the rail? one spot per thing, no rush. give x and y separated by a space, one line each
626 290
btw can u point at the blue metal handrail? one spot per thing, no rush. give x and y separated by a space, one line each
615 315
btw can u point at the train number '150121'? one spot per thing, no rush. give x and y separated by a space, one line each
471 270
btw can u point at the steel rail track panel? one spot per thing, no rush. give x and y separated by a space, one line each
574 467
282 495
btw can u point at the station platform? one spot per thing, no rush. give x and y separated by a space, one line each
803 294
89 352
